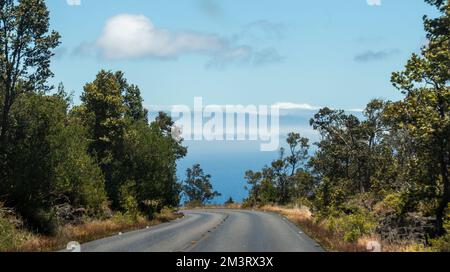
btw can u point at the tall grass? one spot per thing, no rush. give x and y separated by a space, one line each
334 239
10 234
87 231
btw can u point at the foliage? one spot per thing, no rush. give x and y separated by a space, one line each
352 226
10 235
229 201
442 244
125 146
197 187
424 112
285 179
26 48
128 202
49 164
392 203
102 151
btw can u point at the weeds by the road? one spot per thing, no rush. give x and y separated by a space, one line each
332 239
24 241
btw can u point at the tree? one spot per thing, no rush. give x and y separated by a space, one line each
197 187
253 180
298 148
132 99
229 201
150 161
103 104
25 52
127 148
164 124
296 162
103 114
302 185
424 113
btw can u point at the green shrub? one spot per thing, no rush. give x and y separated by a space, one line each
10 236
442 244
165 214
392 203
128 202
42 221
351 227
194 204
303 201
150 208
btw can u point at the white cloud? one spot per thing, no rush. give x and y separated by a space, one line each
130 36
294 106
73 2
374 2
355 110
135 36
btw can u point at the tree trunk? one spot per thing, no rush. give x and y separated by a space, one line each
3 147
444 162
440 213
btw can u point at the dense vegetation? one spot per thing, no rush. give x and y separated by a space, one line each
385 171
60 162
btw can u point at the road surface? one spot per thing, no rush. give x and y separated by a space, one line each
212 230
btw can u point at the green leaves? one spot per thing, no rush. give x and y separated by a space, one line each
49 164
424 113
197 186
26 45
127 148
286 179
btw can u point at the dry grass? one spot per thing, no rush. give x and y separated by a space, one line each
89 231
332 241
298 213
302 217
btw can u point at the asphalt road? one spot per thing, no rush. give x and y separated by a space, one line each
213 231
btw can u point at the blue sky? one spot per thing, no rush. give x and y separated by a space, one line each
300 54
323 53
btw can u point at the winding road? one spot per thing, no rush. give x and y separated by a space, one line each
213 230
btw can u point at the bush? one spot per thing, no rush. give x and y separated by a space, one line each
49 164
194 204
392 203
150 208
42 221
303 202
10 236
351 227
128 202
166 214
442 244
